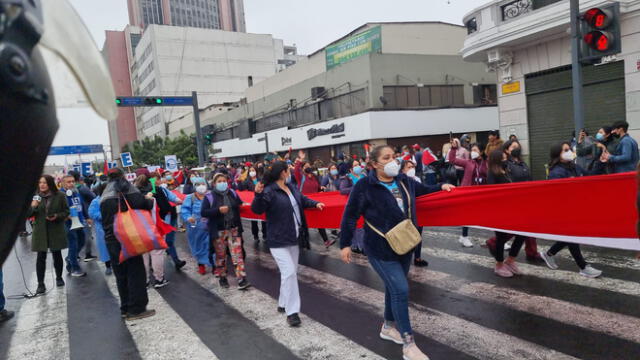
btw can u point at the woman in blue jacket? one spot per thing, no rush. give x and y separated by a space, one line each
563 167
382 198
197 228
96 216
284 205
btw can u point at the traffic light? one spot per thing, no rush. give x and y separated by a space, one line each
153 101
600 31
208 139
208 132
118 101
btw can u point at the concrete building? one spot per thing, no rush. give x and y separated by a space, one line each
526 44
394 83
209 14
219 65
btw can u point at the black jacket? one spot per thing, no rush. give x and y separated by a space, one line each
281 227
518 171
375 202
109 208
215 217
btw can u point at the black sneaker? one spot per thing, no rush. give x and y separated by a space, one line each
142 315
420 263
281 310
123 314
6 315
59 282
243 284
160 284
294 320
89 258
224 282
41 289
180 264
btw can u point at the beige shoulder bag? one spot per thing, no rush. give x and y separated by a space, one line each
403 237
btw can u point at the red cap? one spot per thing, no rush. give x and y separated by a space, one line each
247 164
416 147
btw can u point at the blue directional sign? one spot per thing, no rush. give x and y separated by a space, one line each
128 101
126 158
86 169
76 149
112 164
77 167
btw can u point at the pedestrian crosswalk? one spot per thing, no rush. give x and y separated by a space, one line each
458 309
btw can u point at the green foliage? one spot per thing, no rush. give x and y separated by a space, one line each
151 151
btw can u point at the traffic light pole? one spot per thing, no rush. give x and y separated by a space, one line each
196 123
576 68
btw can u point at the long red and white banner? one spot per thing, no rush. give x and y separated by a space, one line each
597 210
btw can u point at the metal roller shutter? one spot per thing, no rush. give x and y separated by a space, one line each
550 109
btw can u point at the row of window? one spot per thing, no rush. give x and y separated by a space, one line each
148 88
140 78
427 96
154 120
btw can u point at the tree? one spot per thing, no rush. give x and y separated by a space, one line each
151 151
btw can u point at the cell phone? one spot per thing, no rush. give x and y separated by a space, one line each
37 198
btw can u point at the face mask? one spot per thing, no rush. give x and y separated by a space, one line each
201 189
193 178
516 152
567 156
357 170
333 172
169 178
392 168
308 170
405 153
252 174
617 136
222 186
599 137
475 155
411 173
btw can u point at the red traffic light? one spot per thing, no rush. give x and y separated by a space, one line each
599 40
598 18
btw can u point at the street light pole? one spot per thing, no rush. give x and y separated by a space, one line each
576 68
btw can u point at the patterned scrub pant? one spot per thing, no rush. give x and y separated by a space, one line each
231 239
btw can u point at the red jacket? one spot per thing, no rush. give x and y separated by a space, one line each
310 184
475 171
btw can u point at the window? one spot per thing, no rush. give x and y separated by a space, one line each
485 94
472 26
250 80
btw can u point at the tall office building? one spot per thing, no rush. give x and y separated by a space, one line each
209 14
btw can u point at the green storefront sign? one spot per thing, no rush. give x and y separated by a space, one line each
357 45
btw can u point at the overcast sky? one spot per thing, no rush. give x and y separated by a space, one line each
307 23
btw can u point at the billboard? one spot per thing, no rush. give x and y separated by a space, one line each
357 45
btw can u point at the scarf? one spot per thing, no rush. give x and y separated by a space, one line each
46 197
227 201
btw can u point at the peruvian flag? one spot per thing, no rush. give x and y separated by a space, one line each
428 157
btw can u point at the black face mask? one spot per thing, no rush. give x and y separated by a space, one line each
516 153
616 136
308 170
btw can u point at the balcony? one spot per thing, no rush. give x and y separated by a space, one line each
512 23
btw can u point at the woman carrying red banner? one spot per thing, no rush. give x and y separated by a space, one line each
475 173
562 166
498 175
385 198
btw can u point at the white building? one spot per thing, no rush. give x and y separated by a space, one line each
527 44
219 65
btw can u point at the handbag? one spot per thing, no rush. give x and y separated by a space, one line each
136 232
403 237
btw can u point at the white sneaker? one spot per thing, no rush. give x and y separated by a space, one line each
412 352
550 260
507 246
465 242
590 272
391 334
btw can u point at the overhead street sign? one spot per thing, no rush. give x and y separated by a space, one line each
131 101
76 149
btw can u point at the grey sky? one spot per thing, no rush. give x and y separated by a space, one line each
309 24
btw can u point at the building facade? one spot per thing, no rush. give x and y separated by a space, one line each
527 46
209 14
384 83
219 65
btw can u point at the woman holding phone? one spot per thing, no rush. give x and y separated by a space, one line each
50 209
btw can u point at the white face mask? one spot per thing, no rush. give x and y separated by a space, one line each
392 168
411 173
474 155
567 156
252 174
201 189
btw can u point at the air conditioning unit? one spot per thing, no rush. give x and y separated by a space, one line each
494 56
318 92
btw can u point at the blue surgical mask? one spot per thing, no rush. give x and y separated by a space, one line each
193 179
599 137
222 186
333 172
357 170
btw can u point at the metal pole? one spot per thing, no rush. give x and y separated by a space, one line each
576 68
266 141
196 123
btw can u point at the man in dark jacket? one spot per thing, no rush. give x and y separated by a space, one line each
86 195
626 156
130 274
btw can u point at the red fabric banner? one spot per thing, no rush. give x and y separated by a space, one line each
596 210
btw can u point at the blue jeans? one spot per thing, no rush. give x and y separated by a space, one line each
396 291
171 239
2 300
76 242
